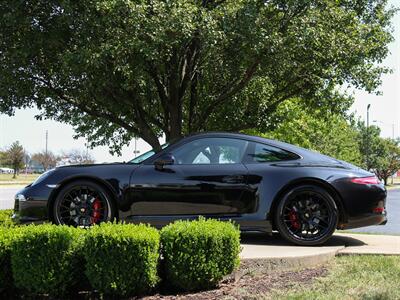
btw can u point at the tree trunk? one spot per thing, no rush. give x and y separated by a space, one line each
385 180
15 173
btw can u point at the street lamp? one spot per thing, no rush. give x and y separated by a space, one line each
391 124
368 107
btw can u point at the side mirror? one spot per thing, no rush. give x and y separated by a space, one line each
164 160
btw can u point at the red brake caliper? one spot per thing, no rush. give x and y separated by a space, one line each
294 219
96 205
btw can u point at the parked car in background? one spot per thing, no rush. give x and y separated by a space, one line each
6 171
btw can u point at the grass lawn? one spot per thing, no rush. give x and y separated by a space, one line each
21 178
351 277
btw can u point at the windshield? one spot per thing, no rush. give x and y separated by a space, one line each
146 155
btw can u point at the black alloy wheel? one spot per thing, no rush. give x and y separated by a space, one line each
307 215
82 204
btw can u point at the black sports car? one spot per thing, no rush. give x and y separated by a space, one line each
261 184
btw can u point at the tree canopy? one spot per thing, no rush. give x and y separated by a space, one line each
328 133
116 69
47 159
389 163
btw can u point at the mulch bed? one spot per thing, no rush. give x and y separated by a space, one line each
251 285
251 281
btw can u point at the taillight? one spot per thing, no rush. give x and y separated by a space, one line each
366 180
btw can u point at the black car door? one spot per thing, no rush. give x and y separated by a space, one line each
206 177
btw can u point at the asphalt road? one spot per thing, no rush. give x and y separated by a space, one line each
393 209
392 205
7 196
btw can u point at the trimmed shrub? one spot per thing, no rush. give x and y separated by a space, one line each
197 254
5 218
121 259
6 281
46 259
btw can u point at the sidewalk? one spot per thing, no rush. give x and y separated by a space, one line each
272 252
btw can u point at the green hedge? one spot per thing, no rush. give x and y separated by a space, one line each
198 254
6 281
121 259
5 218
115 259
46 259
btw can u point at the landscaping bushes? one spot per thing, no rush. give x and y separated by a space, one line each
115 259
5 218
198 254
45 259
122 259
6 281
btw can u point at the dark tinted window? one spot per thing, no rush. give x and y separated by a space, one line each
266 153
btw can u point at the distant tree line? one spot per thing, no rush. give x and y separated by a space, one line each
17 158
338 135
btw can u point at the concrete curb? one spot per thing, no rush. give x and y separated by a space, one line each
288 263
264 254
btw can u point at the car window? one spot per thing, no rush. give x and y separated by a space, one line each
146 155
211 151
266 153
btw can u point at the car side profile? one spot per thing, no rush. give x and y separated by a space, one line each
261 184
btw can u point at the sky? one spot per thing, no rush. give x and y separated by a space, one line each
31 133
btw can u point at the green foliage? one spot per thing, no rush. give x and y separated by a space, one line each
3 159
5 218
6 281
15 156
124 68
198 254
326 132
370 144
121 259
46 259
389 162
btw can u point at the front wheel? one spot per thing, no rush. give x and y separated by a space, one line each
306 215
82 204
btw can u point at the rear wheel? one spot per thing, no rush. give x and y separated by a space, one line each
82 204
306 215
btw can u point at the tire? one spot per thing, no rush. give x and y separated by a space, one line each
82 203
306 215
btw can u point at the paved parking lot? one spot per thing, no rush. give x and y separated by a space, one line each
393 224
7 196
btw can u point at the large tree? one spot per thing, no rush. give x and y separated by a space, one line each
116 69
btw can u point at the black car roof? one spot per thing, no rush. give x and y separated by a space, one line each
304 153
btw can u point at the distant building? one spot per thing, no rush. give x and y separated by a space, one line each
35 167
6 171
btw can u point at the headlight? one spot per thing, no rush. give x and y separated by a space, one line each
20 197
42 177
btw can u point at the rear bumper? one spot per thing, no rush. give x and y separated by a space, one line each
366 220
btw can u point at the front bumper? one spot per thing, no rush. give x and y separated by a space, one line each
29 210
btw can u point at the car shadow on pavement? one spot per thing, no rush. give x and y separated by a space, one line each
261 238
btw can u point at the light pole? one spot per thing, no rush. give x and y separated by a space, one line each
136 151
391 124
368 107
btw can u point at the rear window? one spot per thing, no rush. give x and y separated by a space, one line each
265 153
